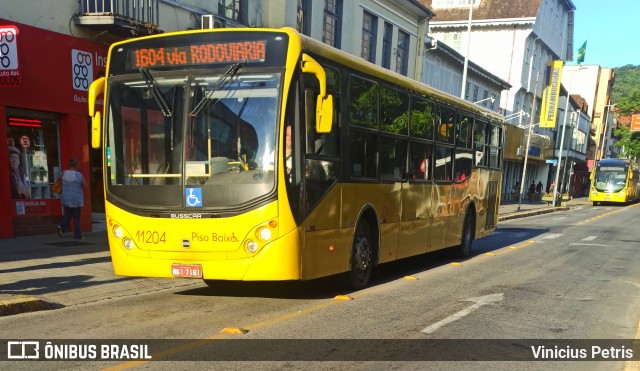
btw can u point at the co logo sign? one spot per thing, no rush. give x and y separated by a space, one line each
82 65
8 54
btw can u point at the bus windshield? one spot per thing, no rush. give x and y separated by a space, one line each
169 131
610 179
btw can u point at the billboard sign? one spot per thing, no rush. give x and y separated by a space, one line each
551 95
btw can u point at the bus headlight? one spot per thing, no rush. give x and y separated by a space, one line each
118 232
264 234
128 243
594 192
252 246
621 194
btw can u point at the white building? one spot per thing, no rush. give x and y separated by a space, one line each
512 39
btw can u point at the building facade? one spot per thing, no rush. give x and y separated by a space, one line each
515 40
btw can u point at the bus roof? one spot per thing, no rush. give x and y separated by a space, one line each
369 68
613 161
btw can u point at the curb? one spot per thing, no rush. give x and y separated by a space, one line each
22 305
525 214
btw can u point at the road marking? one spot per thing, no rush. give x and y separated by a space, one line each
521 234
479 302
633 365
590 238
562 217
589 244
634 283
553 236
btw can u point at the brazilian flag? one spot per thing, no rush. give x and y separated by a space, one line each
581 52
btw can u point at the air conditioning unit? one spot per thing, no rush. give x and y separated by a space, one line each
207 21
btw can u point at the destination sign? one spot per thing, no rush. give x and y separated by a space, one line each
204 53
612 168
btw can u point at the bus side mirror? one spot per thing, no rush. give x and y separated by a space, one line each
95 90
591 175
324 103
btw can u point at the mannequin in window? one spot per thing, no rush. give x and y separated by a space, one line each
19 185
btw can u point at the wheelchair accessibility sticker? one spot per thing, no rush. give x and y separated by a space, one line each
193 197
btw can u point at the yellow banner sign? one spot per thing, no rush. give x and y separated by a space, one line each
551 95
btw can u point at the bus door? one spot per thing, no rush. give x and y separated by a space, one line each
320 198
441 195
462 165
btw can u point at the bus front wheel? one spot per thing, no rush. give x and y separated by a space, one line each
361 257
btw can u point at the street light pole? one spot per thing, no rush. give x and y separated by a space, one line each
564 127
482 100
564 171
516 115
466 56
526 150
604 132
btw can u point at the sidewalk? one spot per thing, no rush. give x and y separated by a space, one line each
511 209
47 272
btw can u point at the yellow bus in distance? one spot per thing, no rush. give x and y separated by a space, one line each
614 180
263 155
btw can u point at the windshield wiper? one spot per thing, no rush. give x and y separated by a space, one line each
157 95
225 76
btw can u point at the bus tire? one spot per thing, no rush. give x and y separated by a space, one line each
595 203
468 236
361 257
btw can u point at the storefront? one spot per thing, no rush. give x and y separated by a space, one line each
44 79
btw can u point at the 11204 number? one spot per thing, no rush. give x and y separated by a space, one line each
153 237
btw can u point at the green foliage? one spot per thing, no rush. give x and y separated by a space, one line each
394 108
628 141
626 90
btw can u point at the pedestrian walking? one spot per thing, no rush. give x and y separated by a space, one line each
539 190
532 190
516 191
72 198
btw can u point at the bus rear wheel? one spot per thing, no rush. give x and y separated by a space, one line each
361 257
468 236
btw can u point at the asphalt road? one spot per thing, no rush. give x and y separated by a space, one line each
565 275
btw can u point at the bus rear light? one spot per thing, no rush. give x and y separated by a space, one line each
252 246
128 243
118 232
264 233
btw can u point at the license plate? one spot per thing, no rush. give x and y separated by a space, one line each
186 270
606 198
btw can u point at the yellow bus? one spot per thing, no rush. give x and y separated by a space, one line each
614 180
263 155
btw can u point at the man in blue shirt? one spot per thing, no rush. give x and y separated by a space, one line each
72 199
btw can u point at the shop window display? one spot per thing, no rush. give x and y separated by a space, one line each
33 155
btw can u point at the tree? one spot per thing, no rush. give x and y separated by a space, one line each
628 141
630 103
